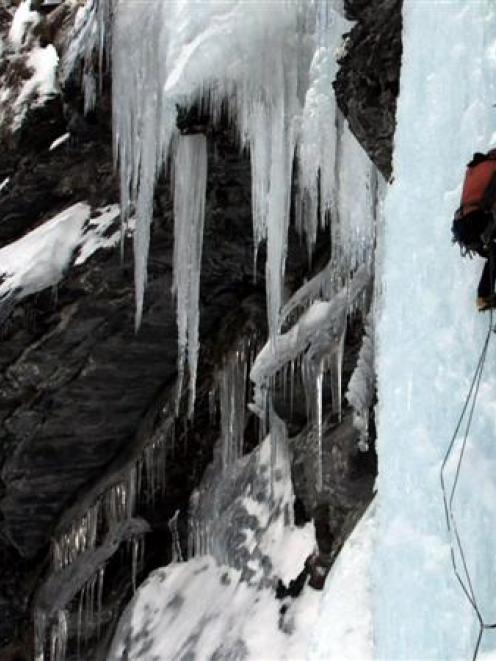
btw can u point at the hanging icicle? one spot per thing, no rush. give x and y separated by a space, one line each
177 555
190 182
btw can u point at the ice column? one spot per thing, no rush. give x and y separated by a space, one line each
177 555
233 389
190 181
143 118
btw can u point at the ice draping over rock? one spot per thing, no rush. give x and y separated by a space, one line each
316 342
244 540
54 596
216 57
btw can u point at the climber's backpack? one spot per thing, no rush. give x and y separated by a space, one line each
473 225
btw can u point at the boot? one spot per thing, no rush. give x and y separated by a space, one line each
486 302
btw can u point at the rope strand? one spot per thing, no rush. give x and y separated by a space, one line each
462 574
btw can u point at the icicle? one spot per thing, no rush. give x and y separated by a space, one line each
58 637
139 478
232 387
99 606
190 180
143 119
80 538
176 545
212 405
292 384
141 557
92 601
39 634
134 562
318 424
80 621
57 561
336 371
130 500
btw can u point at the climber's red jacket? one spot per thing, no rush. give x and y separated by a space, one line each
478 177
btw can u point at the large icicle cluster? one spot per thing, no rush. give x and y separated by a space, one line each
215 55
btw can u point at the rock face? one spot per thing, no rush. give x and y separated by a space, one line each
82 393
367 84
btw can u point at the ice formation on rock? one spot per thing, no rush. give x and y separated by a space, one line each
215 57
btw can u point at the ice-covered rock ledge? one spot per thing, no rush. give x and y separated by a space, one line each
222 604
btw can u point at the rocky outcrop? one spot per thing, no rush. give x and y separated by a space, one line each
367 84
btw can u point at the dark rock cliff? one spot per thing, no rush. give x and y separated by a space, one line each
367 84
81 393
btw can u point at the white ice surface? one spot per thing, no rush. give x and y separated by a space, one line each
173 611
344 628
40 258
429 340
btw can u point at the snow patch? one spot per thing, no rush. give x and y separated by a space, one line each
43 83
41 258
23 19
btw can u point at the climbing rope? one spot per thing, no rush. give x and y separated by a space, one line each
462 573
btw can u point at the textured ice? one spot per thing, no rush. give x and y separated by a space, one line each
430 337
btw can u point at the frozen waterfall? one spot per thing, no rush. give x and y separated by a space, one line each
429 340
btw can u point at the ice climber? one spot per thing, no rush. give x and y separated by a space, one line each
474 224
